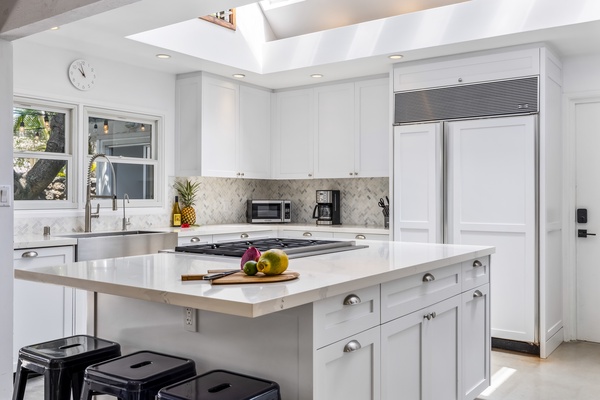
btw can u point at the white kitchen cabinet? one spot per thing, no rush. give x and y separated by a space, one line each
360 236
194 239
222 129
372 128
475 341
254 145
226 237
464 70
292 149
349 369
332 131
334 134
422 353
42 312
308 234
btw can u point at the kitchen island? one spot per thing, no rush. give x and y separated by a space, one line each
361 324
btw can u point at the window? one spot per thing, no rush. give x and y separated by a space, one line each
129 141
43 155
225 18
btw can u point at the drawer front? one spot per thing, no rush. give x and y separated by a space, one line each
43 256
306 234
491 67
344 315
361 236
475 273
227 237
406 295
196 239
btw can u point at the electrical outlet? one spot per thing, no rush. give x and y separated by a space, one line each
189 319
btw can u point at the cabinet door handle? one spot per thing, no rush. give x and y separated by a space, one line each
310 175
477 264
351 346
307 234
477 293
351 300
244 236
361 237
430 316
29 254
351 173
428 277
195 239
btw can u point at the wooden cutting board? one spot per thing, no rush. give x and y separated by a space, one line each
241 277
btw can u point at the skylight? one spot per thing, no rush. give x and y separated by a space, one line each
273 4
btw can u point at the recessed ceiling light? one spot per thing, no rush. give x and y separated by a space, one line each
240 76
163 56
316 76
395 56
55 28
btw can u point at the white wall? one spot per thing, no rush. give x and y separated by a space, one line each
41 72
580 74
6 222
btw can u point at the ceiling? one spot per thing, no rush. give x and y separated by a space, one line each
105 35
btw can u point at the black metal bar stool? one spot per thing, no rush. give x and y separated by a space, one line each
62 362
136 376
221 385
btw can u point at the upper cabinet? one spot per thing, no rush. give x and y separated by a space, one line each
223 129
333 131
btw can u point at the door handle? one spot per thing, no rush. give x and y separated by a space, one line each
582 233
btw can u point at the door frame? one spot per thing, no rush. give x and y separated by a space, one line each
570 102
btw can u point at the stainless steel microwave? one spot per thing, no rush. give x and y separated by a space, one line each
269 211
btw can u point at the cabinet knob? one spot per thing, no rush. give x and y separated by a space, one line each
429 316
477 293
238 174
477 264
356 173
428 277
310 175
351 300
351 346
307 234
244 236
351 173
361 237
241 174
195 239
29 254
460 79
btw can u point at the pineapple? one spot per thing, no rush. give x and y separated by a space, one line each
187 194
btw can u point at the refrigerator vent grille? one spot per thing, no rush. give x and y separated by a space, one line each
518 96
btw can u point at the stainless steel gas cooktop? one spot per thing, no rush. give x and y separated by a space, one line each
294 248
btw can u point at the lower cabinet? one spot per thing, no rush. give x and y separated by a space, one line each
41 312
422 353
349 369
476 342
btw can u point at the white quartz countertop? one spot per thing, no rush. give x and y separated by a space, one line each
157 277
33 241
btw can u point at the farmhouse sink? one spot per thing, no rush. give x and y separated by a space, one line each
98 245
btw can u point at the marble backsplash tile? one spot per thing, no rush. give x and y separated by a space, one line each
223 201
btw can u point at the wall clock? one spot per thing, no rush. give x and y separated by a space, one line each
82 74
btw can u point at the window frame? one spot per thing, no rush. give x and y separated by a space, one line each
71 112
156 157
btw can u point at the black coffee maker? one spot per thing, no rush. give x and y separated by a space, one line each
327 211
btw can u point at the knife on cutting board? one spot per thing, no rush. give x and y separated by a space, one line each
211 275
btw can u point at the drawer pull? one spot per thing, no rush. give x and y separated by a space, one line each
244 236
477 293
351 346
195 239
428 277
477 264
307 234
29 254
351 300
362 237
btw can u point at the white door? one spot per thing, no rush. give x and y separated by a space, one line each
587 118
418 183
491 201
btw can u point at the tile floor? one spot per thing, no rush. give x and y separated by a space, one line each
572 372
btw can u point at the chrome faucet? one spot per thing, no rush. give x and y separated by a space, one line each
89 196
125 219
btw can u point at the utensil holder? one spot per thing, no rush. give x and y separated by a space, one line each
386 222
